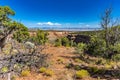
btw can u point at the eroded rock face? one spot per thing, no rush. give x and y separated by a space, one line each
53 35
79 38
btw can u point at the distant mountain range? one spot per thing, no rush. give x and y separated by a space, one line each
66 29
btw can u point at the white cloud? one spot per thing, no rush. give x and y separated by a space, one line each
49 24
87 25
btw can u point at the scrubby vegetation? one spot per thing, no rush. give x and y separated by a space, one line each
22 34
42 69
97 46
22 56
63 42
81 47
25 73
82 74
40 38
49 72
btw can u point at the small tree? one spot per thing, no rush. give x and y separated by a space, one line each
105 24
21 34
65 41
111 33
7 26
104 44
40 38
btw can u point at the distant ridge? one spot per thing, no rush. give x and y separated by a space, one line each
67 29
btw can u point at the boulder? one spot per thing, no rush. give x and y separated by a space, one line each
29 45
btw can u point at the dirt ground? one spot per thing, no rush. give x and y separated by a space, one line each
56 53
59 57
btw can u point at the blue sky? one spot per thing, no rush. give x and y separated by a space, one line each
61 13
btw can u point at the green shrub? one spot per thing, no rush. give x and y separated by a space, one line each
107 66
60 60
58 42
77 67
69 65
100 62
116 57
78 60
101 71
4 69
25 73
82 74
49 72
21 34
72 43
65 42
116 47
81 47
94 69
42 69
40 38
97 46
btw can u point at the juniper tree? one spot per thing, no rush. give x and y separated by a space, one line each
7 26
111 31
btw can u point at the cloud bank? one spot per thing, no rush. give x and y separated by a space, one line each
48 24
54 25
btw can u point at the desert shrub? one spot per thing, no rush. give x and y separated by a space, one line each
18 62
114 35
108 66
100 62
116 48
82 74
65 41
116 57
94 70
17 67
81 47
77 60
58 42
25 73
101 71
72 43
69 65
40 38
42 69
97 46
49 72
4 69
60 60
77 67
